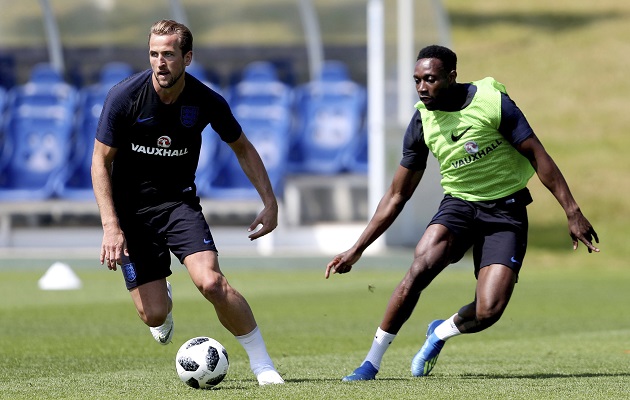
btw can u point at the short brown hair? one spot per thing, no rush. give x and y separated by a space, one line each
170 27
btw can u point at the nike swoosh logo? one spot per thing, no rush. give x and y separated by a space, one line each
141 120
206 241
514 260
164 339
455 138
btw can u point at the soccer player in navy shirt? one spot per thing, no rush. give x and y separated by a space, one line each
143 169
487 153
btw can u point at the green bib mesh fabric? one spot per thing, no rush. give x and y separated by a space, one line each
476 162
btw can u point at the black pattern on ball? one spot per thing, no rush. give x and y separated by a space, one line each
215 381
196 341
188 364
225 354
212 358
192 382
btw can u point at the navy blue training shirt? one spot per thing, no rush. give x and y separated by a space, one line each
158 144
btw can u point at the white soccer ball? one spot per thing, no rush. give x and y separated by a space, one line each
202 362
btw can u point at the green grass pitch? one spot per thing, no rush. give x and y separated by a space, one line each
564 335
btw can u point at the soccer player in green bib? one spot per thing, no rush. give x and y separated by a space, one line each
487 152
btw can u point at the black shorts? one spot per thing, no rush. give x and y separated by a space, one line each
496 230
156 232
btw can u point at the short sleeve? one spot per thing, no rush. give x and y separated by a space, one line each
415 151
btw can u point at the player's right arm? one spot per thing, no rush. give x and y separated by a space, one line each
113 244
399 192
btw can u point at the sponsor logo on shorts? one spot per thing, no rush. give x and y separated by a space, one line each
207 241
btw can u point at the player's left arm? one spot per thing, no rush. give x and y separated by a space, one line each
252 165
549 174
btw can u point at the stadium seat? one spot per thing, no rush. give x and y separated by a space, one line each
334 71
38 135
198 71
77 180
267 129
3 101
114 72
356 157
262 105
36 95
210 156
260 71
330 114
210 161
260 86
39 151
45 73
77 183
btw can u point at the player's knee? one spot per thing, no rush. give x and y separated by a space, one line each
421 273
152 318
214 288
487 316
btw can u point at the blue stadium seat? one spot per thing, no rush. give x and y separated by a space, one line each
77 182
356 157
210 155
39 151
114 72
262 105
198 71
3 100
41 95
260 86
330 114
267 129
210 160
45 73
40 121
260 71
334 71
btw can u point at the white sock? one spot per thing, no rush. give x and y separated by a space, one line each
447 329
254 345
380 344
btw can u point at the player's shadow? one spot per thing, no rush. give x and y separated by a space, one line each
545 376
473 376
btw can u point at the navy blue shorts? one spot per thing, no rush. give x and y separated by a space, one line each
156 232
496 230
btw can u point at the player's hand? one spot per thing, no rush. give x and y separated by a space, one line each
342 263
268 218
113 247
582 231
